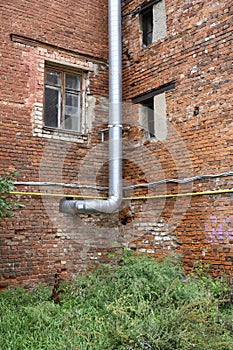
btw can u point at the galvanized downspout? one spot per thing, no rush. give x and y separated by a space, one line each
115 125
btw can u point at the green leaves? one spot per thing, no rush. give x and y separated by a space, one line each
7 205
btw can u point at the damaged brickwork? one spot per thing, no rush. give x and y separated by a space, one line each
187 74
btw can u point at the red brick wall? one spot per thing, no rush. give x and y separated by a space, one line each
196 54
33 247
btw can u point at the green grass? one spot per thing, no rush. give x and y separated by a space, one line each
135 303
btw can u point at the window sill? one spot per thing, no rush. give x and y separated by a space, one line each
60 134
155 44
63 131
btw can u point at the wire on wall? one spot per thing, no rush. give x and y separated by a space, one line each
142 185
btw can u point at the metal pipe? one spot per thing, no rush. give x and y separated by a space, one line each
115 125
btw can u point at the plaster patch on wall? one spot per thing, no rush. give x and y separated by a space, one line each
160 117
90 114
159 21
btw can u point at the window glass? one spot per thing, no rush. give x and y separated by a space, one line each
72 82
51 107
53 78
72 111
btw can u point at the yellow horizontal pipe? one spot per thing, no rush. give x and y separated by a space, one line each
183 194
126 198
54 195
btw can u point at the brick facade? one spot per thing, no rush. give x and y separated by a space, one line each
195 56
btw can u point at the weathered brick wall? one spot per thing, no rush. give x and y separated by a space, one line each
33 246
196 54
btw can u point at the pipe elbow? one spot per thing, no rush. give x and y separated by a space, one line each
75 207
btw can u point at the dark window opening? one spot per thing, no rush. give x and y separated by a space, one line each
147 26
51 107
149 111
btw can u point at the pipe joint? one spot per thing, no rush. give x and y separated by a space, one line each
115 126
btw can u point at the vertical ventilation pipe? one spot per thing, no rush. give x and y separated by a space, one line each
115 125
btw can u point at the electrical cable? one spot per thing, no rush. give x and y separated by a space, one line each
142 185
179 181
59 184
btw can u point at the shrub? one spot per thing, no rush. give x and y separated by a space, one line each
135 304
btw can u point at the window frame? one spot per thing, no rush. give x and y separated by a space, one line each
63 71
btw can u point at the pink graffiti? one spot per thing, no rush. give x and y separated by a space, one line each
219 233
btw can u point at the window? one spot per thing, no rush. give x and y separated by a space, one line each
152 112
63 99
149 115
147 26
153 21
154 117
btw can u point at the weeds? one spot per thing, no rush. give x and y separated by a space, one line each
7 205
135 304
